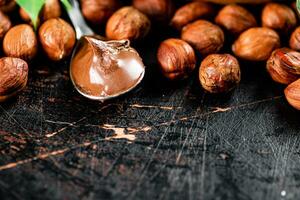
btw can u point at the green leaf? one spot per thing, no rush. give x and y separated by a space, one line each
66 4
33 8
298 6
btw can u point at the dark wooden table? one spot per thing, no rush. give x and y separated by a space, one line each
164 140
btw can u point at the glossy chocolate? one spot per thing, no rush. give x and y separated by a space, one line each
105 69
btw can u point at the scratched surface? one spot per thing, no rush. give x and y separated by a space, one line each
164 140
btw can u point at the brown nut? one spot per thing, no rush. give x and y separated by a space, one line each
256 44
127 23
276 66
278 17
7 6
295 40
98 11
5 25
204 36
219 73
51 9
57 38
176 59
237 1
235 19
20 41
292 94
157 10
191 12
13 77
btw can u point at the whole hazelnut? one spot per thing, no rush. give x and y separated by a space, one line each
51 9
256 44
176 59
237 1
157 10
295 40
204 36
5 25
219 73
13 77
279 17
127 23
191 12
57 38
292 94
98 11
20 41
235 19
276 66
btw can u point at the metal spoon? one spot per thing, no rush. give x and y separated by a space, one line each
100 69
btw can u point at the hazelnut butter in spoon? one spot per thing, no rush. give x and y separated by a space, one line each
100 69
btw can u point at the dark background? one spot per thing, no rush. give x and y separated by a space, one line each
181 142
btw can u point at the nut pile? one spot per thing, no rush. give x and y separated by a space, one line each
203 26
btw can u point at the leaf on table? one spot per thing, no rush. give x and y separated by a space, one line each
33 8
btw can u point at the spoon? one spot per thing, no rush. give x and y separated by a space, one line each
101 69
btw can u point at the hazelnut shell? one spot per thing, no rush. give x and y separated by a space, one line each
20 41
13 77
292 94
57 38
176 59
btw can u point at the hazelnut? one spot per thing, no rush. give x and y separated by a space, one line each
204 36
51 9
276 66
20 41
191 12
5 25
157 10
57 38
176 58
256 44
237 1
219 73
278 17
13 77
98 11
295 39
235 19
292 94
127 23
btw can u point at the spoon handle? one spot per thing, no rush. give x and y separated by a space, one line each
78 21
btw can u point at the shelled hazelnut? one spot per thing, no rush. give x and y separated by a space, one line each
157 10
5 25
279 17
292 94
127 23
98 11
57 38
191 12
204 36
219 73
51 9
256 44
176 59
20 41
276 66
235 19
295 39
13 77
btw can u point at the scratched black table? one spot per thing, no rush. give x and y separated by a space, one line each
164 140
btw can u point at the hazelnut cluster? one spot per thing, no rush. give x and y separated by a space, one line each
20 43
203 30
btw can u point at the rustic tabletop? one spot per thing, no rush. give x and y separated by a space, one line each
164 140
